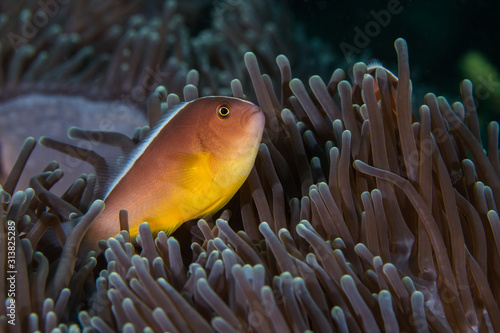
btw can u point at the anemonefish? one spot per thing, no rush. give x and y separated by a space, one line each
189 166
372 67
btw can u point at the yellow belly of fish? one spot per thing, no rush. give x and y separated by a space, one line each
168 218
199 193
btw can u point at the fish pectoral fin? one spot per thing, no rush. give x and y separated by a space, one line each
195 171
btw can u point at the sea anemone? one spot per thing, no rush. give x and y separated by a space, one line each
62 67
358 215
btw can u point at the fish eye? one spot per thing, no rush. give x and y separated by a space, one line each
223 111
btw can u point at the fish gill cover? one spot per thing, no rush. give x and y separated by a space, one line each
366 209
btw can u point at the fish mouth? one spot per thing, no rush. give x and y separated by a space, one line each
256 112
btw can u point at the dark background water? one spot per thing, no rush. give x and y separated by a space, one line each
439 35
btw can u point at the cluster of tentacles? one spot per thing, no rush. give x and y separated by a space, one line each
59 47
356 217
74 63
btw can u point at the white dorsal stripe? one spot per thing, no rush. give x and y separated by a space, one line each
153 133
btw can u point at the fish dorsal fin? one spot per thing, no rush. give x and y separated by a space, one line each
107 172
120 169
373 63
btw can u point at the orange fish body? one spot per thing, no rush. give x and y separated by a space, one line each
189 166
393 80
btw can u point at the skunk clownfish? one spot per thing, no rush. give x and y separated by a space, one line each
188 166
373 65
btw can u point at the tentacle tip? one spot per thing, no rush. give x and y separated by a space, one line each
30 140
344 84
282 59
357 164
144 227
97 206
162 91
73 132
249 56
44 141
400 43
263 225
